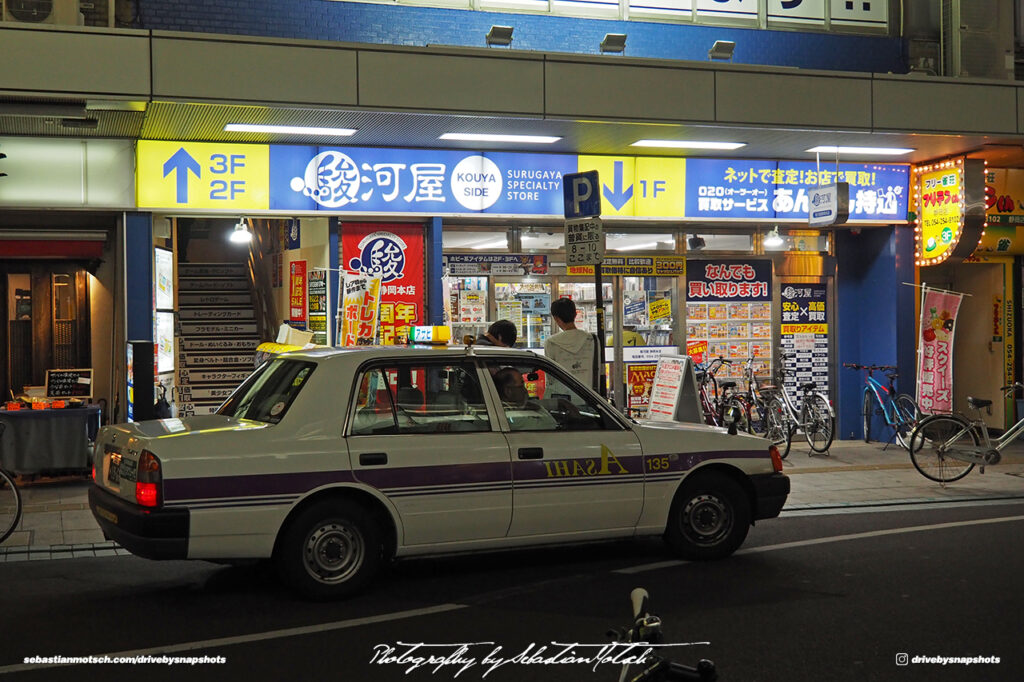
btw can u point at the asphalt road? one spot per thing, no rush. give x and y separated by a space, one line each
815 597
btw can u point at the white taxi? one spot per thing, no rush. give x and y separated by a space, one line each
333 461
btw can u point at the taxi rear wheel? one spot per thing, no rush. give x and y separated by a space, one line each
709 519
330 550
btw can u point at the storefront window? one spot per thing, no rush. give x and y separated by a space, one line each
741 243
619 241
457 240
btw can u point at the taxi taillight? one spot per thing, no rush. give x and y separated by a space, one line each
147 486
776 457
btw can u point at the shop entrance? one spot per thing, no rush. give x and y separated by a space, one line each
45 308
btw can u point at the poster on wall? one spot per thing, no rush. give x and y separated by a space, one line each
316 305
163 269
392 253
639 383
804 334
935 349
359 310
728 312
297 294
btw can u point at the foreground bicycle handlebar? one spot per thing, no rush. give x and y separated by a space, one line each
647 628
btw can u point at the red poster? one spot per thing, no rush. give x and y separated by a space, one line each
639 381
935 355
394 254
297 291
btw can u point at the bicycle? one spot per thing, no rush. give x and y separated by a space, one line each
10 500
939 448
900 411
752 403
718 401
646 628
815 418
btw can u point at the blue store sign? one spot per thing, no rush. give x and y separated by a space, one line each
779 190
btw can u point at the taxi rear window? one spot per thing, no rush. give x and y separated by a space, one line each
269 392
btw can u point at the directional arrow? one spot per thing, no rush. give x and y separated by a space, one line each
616 195
182 162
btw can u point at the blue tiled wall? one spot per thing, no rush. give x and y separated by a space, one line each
392 25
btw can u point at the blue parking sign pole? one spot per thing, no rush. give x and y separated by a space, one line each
581 193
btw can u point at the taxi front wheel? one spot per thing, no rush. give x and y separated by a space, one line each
330 550
709 518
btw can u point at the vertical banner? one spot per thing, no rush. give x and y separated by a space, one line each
297 294
360 302
317 305
804 333
392 253
935 351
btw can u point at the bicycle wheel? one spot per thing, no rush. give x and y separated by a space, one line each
933 444
818 424
907 415
777 429
756 410
867 412
10 505
737 408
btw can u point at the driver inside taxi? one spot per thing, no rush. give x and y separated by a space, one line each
523 413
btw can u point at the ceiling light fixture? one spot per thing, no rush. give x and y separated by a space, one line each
637 247
500 35
288 130
688 144
241 234
497 244
874 151
773 239
489 137
722 50
614 42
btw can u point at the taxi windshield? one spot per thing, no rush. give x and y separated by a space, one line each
269 392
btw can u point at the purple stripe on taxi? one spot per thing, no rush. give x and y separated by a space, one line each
250 486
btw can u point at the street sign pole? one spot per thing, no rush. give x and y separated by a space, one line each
602 380
584 245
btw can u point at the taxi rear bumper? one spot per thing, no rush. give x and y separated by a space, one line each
148 533
770 494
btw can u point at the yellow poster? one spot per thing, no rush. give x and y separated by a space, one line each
360 311
941 210
660 309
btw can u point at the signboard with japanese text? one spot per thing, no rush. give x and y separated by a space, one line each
297 293
636 266
360 308
584 241
392 253
718 189
317 305
674 391
722 281
473 265
829 205
639 382
728 9
941 211
939 311
437 182
729 313
804 334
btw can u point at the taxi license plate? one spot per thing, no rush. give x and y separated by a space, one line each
114 470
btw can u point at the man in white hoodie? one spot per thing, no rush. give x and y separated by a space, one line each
572 348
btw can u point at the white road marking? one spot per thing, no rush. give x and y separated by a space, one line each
834 538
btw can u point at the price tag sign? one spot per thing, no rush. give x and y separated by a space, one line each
584 241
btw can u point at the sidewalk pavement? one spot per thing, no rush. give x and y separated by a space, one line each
57 522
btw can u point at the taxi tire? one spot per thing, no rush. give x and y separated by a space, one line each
709 518
328 533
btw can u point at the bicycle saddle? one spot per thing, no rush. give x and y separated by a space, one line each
727 384
808 387
977 403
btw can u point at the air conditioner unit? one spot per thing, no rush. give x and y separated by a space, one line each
43 12
977 38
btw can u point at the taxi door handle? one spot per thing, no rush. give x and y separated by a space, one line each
372 458
531 453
